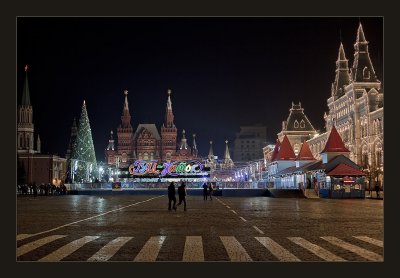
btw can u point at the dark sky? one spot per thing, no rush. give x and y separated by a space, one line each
223 72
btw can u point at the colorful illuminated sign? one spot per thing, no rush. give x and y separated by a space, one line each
176 168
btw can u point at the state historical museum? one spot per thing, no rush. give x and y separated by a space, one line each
146 143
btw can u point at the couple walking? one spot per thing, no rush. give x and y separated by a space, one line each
181 194
207 190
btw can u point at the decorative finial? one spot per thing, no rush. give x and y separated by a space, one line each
183 131
194 135
169 91
210 142
112 132
126 92
84 102
226 141
26 67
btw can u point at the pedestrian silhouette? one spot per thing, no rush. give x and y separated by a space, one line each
377 190
205 188
182 195
171 196
210 190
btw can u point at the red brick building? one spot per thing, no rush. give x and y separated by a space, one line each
34 167
146 143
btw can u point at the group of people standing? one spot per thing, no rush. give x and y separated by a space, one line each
207 191
181 194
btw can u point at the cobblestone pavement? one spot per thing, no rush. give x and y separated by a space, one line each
140 228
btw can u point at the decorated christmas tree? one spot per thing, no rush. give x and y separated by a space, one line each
83 160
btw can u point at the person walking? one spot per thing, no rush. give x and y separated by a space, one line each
171 196
182 195
377 190
205 188
210 190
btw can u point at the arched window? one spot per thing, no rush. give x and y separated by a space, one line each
124 157
302 124
366 73
296 124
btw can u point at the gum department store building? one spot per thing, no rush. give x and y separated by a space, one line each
355 109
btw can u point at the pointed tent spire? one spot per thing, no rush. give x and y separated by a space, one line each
342 55
360 34
194 148
126 116
194 142
38 144
342 77
334 142
26 100
286 151
169 116
169 103
211 153
227 155
276 150
126 107
305 152
184 145
362 70
111 142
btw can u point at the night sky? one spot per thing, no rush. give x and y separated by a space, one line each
223 72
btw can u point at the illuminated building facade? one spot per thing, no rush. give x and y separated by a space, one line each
146 143
356 109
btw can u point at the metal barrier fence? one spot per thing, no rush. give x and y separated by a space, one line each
164 185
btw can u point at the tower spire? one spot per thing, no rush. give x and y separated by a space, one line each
342 77
194 149
26 100
227 163
126 116
184 145
169 117
210 152
363 70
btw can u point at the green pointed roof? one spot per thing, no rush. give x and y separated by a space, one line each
26 100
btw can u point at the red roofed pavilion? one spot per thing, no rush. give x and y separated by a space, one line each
305 152
276 150
334 143
345 170
285 151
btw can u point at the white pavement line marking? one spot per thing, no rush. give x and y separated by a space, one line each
23 236
317 250
233 211
150 250
109 250
258 230
353 248
193 251
67 249
36 244
234 249
228 207
370 240
278 251
243 219
101 214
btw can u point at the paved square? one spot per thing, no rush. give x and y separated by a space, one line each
140 228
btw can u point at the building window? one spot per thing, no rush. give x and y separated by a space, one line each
366 73
296 124
302 124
